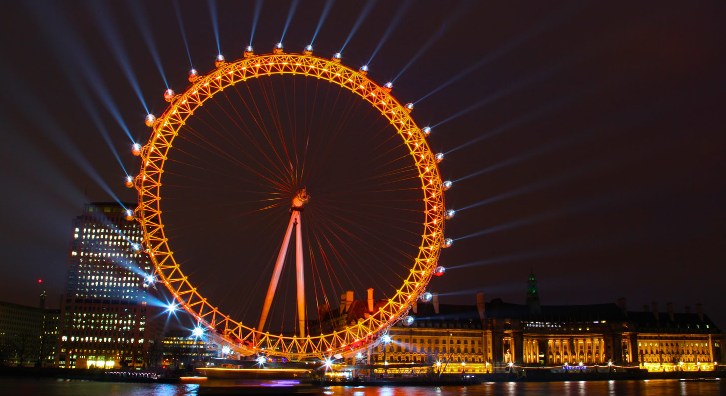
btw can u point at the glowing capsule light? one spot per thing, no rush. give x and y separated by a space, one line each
129 214
388 85
261 360
171 308
277 49
447 185
386 338
364 68
136 149
136 247
447 243
249 52
249 48
150 119
450 214
427 129
408 320
219 60
337 56
427 296
149 279
226 350
168 94
409 106
308 49
439 271
439 157
129 181
193 74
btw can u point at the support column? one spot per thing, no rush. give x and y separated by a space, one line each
276 273
300 272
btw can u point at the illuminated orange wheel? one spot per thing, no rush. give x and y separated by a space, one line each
244 336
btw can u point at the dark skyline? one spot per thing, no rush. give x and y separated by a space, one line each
585 139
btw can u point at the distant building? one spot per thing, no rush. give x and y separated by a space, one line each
496 335
105 315
181 350
28 335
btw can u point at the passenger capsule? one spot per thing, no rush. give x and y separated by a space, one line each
450 214
249 52
193 75
129 181
427 296
219 61
129 214
447 185
277 49
439 271
168 94
408 320
388 85
364 69
150 119
447 243
439 157
409 107
136 149
337 56
426 130
308 49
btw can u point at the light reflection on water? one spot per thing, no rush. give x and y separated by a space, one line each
53 387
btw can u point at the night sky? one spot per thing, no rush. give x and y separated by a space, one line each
585 139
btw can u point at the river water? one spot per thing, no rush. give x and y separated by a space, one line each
54 387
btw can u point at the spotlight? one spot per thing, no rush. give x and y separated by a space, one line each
439 157
447 185
427 129
450 214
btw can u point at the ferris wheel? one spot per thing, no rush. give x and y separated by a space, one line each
314 332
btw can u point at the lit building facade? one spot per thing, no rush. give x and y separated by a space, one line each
496 335
105 315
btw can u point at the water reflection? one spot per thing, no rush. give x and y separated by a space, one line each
30 386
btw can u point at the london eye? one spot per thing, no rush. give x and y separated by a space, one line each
301 180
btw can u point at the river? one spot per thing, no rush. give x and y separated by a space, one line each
57 387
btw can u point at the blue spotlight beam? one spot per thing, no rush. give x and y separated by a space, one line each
34 111
143 25
361 17
512 124
498 53
458 12
66 42
215 24
326 10
255 19
290 13
391 26
180 20
110 33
